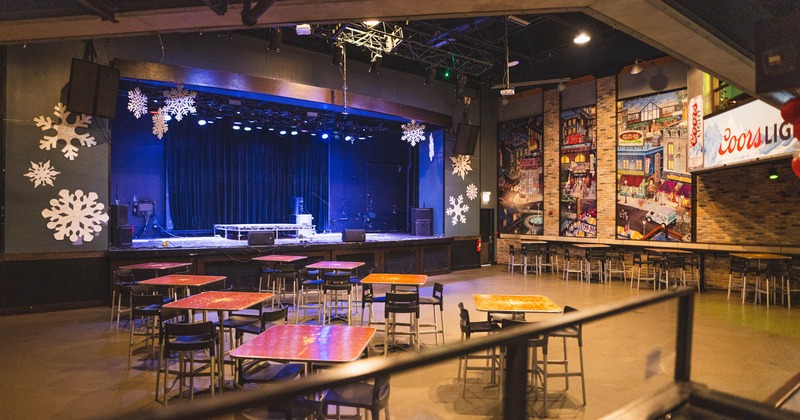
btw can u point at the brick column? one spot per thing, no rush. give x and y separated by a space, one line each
606 157
551 159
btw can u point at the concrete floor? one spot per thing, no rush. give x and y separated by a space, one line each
72 364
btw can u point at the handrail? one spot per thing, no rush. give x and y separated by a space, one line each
514 339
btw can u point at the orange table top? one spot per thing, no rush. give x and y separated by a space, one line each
514 303
591 245
156 266
280 258
760 256
182 280
336 265
668 250
220 301
309 343
396 279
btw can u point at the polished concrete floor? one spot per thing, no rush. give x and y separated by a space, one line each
73 364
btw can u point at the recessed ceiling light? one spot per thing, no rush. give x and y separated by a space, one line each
582 38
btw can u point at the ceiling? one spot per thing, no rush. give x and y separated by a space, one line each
714 36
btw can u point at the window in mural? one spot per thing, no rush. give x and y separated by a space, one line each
654 191
520 178
578 172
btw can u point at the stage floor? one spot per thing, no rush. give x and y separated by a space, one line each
220 242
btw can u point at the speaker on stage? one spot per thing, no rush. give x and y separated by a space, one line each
117 215
121 235
422 222
260 238
354 235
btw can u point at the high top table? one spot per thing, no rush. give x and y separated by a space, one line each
157 267
516 305
336 266
269 260
414 280
186 281
222 302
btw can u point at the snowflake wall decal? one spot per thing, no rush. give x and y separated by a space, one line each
41 174
180 102
159 123
457 209
431 152
137 102
413 132
472 191
65 131
461 165
76 217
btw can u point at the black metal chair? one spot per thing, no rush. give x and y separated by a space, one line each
147 309
401 303
308 283
121 293
436 299
360 395
534 369
368 298
574 332
746 272
337 296
467 329
186 339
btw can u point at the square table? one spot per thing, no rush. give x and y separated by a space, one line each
221 302
335 265
281 259
182 280
307 343
415 280
157 267
514 304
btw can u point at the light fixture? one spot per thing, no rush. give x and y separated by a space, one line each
375 67
512 63
582 38
518 20
773 173
371 23
167 117
237 127
636 68
201 122
561 86
486 196
294 132
325 136
282 132
303 29
430 76
275 40
247 128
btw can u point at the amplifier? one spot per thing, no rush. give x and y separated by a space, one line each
117 215
121 235
354 235
260 238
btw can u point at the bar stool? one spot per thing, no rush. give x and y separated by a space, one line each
740 268
401 303
573 332
649 263
186 339
436 299
147 308
595 256
573 263
615 264
368 298
121 293
337 296
308 284
672 265
514 259
548 257
490 358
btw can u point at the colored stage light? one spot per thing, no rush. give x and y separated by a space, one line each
325 136
201 122
236 127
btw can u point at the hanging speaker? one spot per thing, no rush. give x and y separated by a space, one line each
92 89
466 139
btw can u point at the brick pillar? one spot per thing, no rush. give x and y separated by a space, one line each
606 158
551 159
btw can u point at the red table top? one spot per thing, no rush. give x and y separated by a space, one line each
182 280
398 279
280 258
336 265
514 303
309 343
220 301
156 266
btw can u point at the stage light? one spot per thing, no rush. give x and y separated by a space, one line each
282 132
275 40
271 128
371 23
237 127
167 117
773 173
375 67
313 134
201 122
294 132
430 76
636 68
247 128
446 73
348 137
325 136
582 38
209 121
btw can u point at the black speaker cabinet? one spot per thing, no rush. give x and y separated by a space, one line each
117 215
354 235
122 235
422 222
260 238
92 89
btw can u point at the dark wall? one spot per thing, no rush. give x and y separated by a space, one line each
431 179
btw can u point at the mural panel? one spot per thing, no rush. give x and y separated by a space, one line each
654 190
520 178
578 172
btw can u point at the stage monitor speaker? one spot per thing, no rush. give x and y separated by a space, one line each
777 51
466 139
354 235
260 238
122 235
117 215
422 222
92 89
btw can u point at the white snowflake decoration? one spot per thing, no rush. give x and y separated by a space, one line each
159 123
65 131
472 191
461 165
137 102
76 217
431 152
413 133
458 210
42 174
180 102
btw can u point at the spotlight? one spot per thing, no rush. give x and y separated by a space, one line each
430 76
337 54
282 132
247 128
636 68
375 67
201 122
582 38
348 137
167 117
294 132
237 127
773 173
271 128
275 40
371 23
325 136
446 74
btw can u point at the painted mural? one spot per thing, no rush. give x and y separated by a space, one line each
520 177
654 190
578 172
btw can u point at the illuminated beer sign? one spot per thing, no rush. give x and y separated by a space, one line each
631 138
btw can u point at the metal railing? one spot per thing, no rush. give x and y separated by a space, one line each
514 340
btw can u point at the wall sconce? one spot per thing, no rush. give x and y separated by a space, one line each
486 196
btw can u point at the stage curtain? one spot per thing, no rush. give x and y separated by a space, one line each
216 175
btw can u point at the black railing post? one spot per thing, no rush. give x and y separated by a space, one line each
515 380
683 342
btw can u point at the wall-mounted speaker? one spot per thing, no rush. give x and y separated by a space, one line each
92 89
354 235
466 139
260 238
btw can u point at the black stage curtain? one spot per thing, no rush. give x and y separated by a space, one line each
216 175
